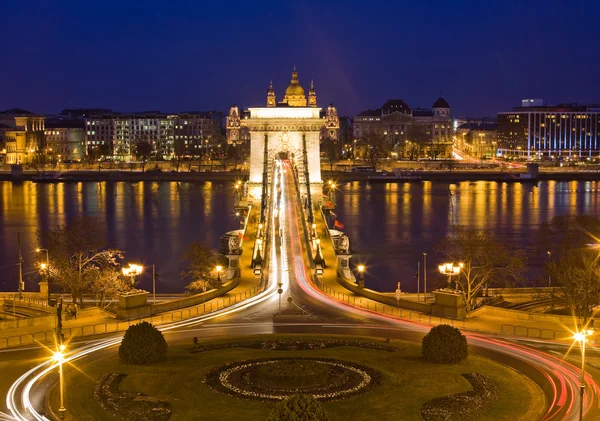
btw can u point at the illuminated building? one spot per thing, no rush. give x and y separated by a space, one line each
568 131
24 139
395 119
196 132
478 140
65 140
285 126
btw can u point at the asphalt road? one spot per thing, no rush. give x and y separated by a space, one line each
288 266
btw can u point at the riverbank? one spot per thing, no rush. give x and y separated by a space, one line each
446 176
132 176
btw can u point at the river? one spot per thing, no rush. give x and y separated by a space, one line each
389 225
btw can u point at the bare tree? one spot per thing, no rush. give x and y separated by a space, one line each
577 272
376 146
201 262
486 262
108 284
79 254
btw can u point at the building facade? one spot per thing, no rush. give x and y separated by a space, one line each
539 132
189 134
396 120
291 128
24 140
65 140
478 140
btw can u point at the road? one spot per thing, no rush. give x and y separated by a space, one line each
30 381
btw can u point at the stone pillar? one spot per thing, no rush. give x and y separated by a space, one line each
44 290
234 266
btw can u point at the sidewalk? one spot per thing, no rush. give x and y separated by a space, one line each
104 322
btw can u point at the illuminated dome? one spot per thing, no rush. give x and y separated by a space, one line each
294 89
294 94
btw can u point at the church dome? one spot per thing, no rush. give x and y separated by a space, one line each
294 89
440 103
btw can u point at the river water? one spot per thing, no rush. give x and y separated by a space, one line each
389 225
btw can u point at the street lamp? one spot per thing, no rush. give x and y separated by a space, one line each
581 337
219 268
361 279
449 269
132 271
46 267
59 357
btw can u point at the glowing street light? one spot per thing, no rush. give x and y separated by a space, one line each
449 269
581 337
361 279
45 266
132 271
219 268
59 357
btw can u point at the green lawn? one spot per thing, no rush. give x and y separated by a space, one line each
408 382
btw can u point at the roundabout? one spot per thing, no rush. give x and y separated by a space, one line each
278 378
226 382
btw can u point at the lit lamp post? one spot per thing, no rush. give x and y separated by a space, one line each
361 278
314 229
449 269
132 271
581 337
59 357
46 267
219 268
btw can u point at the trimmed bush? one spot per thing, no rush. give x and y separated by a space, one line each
298 408
444 344
143 344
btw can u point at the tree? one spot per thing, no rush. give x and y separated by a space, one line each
444 344
377 146
108 284
79 254
143 344
201 262
233 155
416 139
485 261
331 150
298 408
180 150
143 150
577 272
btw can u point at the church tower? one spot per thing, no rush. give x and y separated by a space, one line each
294 94
271 102
312 96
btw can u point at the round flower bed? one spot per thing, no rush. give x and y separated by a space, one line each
293 374
273 379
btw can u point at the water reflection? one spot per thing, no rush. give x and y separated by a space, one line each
390 226
153 222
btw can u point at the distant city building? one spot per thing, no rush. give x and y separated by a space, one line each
118 134
24 136
65 139
532 103
566 130
82 113
395 118
478 140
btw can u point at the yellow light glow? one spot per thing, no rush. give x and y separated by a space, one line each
579 336
219 268
361 268
37 250
43 266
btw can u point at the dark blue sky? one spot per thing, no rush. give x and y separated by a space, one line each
196 55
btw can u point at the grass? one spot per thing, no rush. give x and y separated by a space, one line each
408 382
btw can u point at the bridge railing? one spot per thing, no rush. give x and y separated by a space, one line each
117 326
415 316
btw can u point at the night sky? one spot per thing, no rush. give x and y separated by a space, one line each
198 55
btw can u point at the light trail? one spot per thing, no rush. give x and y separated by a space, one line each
28 380
565 376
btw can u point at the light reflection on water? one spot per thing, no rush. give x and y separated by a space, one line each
152 221
389 225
